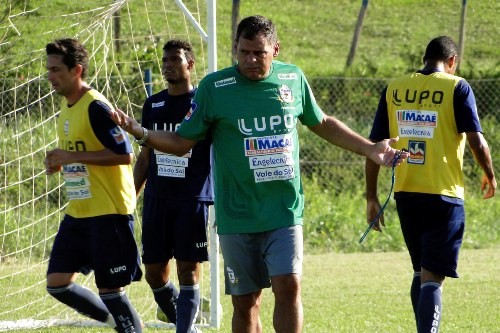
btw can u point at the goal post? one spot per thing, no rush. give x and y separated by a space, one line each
124 39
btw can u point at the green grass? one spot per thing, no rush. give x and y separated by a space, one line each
316 35
369 292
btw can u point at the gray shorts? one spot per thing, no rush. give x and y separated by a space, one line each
251 259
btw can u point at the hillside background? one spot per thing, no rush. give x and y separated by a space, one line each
316 35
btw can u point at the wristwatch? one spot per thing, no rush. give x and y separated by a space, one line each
145 135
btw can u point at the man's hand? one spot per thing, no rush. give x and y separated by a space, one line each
372 209
384 154
128 124
489 185
54 160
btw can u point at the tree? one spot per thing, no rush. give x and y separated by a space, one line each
234 23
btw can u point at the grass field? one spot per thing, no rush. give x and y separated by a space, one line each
369 293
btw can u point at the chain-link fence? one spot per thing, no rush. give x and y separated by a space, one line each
352 100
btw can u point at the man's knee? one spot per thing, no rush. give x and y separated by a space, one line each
188 272
157 275
247 303
428 276
286 286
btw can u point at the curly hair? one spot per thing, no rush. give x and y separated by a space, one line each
180 45
73 52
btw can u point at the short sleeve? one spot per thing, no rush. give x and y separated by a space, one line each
312 114
108 133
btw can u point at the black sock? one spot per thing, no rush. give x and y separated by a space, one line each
429 307
187 307
415 293
126 318
82 300
166 298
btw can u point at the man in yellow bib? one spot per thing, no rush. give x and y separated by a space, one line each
434 113
96 233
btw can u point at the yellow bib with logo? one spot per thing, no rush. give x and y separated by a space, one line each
92 190
420 110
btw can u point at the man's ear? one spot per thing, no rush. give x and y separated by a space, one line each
276 50
190 64
452 64
78 70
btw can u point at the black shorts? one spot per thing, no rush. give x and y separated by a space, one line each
104 244
175 229
433 230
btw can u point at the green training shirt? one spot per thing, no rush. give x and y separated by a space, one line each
255 142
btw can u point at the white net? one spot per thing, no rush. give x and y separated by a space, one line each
125 40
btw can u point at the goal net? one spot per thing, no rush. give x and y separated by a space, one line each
124 39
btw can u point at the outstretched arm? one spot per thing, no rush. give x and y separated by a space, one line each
481 153
372 203
336 132
165 141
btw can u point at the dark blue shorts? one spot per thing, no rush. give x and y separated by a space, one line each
433 230
104 244
175 229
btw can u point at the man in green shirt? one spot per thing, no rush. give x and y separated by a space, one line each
251 111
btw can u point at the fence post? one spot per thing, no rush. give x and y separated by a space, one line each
461 38
357 33
148 83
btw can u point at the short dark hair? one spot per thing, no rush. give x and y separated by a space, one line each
180 44
73 52
440 49
251 26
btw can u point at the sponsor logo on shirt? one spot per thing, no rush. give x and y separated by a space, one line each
225 82
75 170
426 97
416 123
270 174
287 76
417 118
173 160
286 95
66 127
76 181
190 113
275 160
268 145
417 152
118 135
276 123
158 105
165 126
171 171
